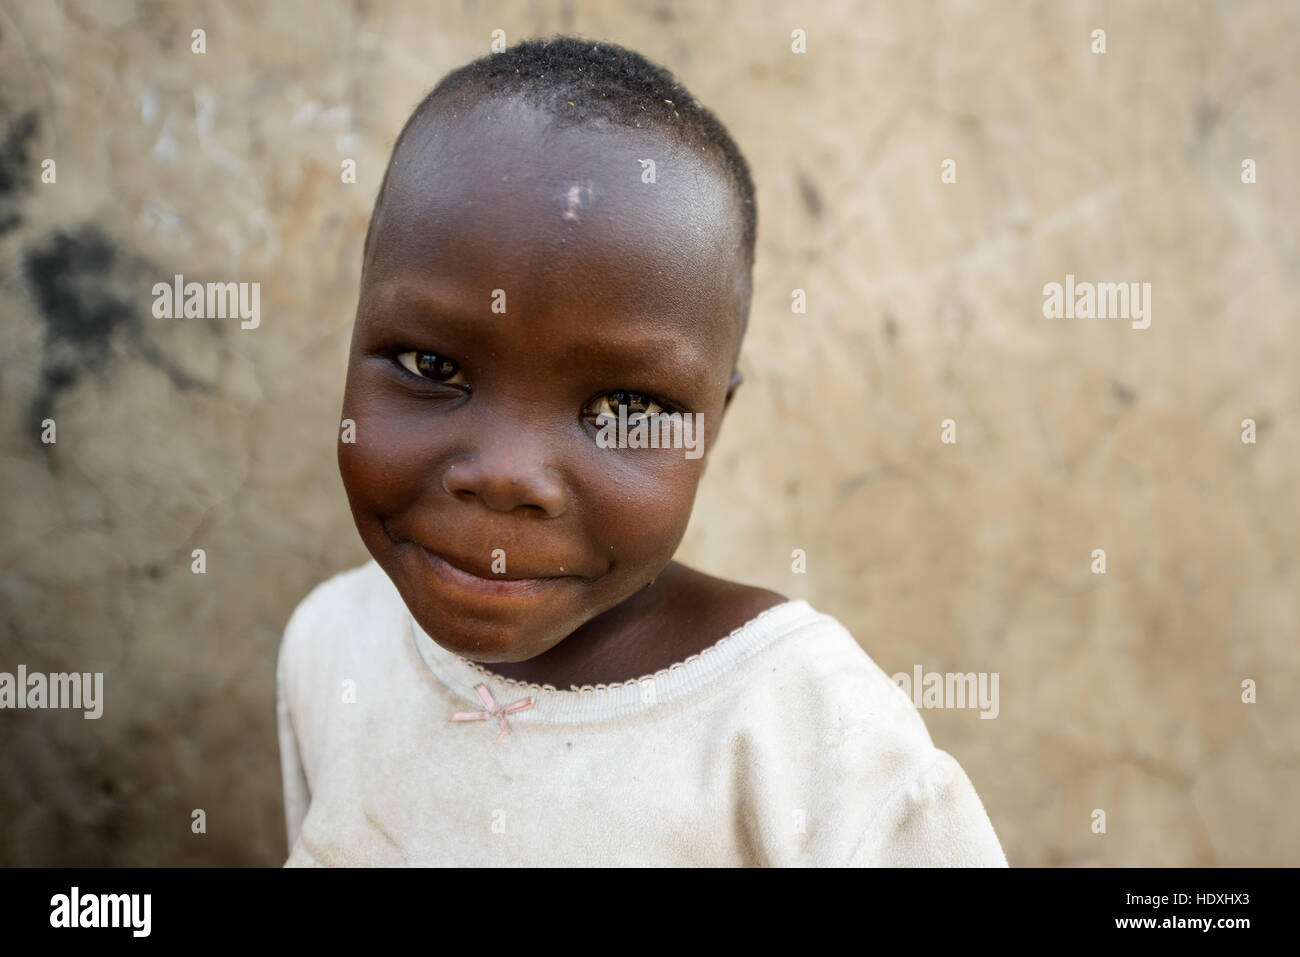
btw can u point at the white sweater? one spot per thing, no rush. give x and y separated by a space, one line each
781 745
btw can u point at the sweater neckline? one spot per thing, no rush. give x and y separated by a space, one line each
620 699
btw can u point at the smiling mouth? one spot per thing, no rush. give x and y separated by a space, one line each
469 581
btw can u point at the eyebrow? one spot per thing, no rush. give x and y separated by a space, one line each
647 345
659 353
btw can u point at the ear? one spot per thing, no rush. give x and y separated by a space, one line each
732 386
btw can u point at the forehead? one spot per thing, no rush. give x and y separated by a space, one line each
500 194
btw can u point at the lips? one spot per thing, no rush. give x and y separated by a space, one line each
454 572
477 576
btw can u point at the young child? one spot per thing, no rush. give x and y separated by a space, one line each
523 675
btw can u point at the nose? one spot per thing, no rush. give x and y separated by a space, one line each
505 475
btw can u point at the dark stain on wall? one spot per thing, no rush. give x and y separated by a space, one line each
68 274
13 167
82 285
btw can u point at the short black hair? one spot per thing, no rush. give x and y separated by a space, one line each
578 81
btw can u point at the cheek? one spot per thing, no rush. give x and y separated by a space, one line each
387 467
643 505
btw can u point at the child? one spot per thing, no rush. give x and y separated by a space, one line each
565 237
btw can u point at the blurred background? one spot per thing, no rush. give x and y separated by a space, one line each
1119 692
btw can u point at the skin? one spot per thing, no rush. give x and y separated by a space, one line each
612 285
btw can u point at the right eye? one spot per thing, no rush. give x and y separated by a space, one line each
432 367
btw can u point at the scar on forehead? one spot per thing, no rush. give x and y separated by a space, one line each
575 198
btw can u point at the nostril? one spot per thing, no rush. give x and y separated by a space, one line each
505 482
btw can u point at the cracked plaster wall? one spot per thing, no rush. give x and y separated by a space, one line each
1119 692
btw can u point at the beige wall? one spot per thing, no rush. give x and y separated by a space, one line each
1120 692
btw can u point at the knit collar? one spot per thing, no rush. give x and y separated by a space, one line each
620 699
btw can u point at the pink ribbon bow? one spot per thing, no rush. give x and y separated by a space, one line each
494 710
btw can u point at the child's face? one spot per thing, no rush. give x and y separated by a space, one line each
475 428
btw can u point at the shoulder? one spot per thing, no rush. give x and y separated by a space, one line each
823 706
840 693
855 753
826 685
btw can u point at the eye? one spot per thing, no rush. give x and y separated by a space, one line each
432 367
638 404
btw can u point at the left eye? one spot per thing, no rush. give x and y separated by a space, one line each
433 367
638 403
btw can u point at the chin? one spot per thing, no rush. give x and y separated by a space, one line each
471 616
492 628
481 641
